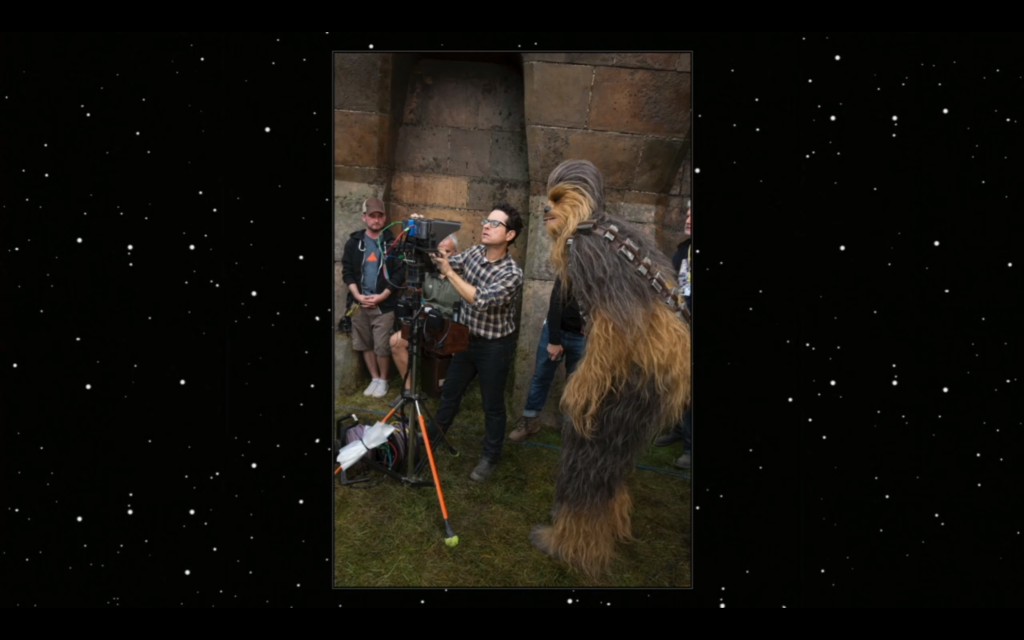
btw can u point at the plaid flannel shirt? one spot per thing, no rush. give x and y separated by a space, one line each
492 314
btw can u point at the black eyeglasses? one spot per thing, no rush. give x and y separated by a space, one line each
492 223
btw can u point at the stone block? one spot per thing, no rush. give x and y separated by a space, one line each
377 176
684 62
615 155
557 94
675 213
641 101
485 193
571 58
502 105
638 208
359 138
545 150
659 164
430 190
470 153
681 183
665 61
538 259
340 294
442 100
422 149
348 372
362 81
509 156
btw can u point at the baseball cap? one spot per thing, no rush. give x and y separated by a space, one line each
373 205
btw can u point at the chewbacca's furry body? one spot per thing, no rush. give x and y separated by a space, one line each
632 383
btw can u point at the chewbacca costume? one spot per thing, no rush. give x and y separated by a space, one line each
634 379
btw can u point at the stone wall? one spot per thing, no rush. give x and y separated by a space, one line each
630 115
462 146
369 93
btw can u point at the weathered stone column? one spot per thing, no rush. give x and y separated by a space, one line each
368 94
630 115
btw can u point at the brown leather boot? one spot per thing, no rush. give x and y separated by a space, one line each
525 428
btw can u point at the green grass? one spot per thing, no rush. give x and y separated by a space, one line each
391 535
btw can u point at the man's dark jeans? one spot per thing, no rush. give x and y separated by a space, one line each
492 360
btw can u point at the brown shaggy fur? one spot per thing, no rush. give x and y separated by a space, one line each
632 382
585 539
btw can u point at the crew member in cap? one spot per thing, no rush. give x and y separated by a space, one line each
373 282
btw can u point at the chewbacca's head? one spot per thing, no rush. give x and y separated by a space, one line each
575 193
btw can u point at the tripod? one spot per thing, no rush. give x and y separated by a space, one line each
414 469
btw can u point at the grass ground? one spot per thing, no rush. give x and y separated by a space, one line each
390 535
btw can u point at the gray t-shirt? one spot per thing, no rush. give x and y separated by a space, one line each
371 267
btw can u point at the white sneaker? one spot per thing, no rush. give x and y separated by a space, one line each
382 389
372 388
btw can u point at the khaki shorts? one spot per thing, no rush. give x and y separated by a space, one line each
371 331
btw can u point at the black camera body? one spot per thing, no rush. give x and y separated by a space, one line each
422 238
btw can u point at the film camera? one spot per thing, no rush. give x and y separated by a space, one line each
418 239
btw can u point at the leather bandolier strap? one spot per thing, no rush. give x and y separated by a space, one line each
630 252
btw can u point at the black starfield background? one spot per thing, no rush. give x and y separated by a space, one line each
166 333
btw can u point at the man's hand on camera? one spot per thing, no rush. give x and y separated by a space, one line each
442 264
554 350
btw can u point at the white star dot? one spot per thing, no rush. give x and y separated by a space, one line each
79 519
945 390
192 247
129 512
129 247
182 383
945 111
187 572
842 248
833 118
696 170
254 465
268 129
936 243
79 241
894 118
88 386
254 294
833 383
894 383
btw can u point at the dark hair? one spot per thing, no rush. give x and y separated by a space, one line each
515 219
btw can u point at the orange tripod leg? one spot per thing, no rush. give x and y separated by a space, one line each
451 540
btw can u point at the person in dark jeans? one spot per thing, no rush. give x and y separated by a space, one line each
489 280
561 339
683 262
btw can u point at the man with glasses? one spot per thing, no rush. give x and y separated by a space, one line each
488 279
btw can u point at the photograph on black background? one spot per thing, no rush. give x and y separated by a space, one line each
512 251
